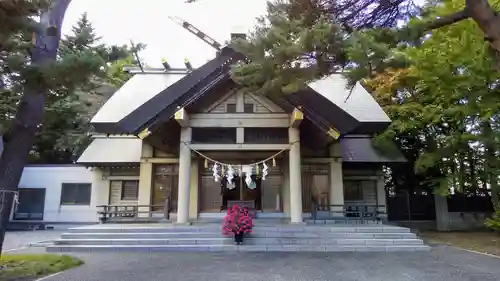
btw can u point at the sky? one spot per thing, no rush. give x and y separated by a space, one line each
146 21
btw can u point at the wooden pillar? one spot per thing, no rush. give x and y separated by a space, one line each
184 176
295 176
336 187
145 180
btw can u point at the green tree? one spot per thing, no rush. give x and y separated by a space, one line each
28 52
31 69
38 77
65 131
292 44
441 91
65 124
298 41
444 103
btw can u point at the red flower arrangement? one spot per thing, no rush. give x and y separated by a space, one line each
237 221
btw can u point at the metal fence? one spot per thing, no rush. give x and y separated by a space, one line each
411 206
473 203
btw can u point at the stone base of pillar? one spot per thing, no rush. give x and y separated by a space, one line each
384 218
182 223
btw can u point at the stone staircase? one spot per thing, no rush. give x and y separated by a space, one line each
265 238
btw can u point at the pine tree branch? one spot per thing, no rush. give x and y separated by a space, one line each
447 20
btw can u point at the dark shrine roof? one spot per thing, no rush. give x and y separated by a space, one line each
323 102
360 149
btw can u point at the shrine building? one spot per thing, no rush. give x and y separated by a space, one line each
190 139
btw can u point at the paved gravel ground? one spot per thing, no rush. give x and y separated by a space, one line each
19 239
441 264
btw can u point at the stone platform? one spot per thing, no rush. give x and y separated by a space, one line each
265 238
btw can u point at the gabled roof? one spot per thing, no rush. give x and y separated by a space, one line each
319 101
102 151
163 105
357 102
134 93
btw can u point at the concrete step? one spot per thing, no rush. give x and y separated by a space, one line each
256 229
229 241
217 234
234 248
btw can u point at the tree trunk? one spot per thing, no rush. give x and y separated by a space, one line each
490 160
29 116
21 138
463 172
473 176
487 19
454 176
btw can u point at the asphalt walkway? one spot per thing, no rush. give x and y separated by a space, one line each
441 264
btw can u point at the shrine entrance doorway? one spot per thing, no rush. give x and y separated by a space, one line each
239 192
263 195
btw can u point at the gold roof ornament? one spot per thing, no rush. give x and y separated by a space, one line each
332 132
144 134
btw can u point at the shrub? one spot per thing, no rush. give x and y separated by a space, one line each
237 220
494 222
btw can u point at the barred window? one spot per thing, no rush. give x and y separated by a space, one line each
75 193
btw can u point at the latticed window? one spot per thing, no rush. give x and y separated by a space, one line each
231 108
130 190
214 135
248 108
266 135
353 190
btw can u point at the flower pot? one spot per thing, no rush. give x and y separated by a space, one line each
238 238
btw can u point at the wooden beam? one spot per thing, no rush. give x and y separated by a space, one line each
240 135
296 118
238 156
239 146
101 136
240 120
123 178
220 101
160 160
320 160
264 101
182 117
